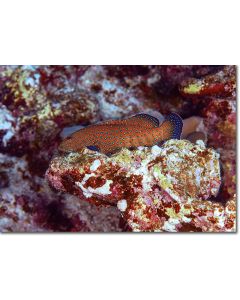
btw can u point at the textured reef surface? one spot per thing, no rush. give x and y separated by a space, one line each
179 186
156 189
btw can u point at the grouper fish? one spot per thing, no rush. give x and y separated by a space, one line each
139 130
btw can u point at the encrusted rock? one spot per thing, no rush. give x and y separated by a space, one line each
27 204
220 84
117 98
150 186
31 118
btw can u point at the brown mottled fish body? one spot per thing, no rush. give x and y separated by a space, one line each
140 130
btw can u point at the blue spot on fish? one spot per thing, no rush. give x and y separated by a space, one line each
93 148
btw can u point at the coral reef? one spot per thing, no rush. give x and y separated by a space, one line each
156 189
116 98
39 105
220 122
32 117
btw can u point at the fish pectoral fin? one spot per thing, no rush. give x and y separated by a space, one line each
132 148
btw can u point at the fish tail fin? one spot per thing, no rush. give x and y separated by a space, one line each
172 126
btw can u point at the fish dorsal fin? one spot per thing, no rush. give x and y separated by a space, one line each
144 120
110 122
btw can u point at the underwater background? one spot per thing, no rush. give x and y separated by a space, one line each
179 186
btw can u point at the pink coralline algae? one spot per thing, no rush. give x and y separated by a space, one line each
164 188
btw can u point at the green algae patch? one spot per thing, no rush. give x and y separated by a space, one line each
124 156
193 88
163 180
